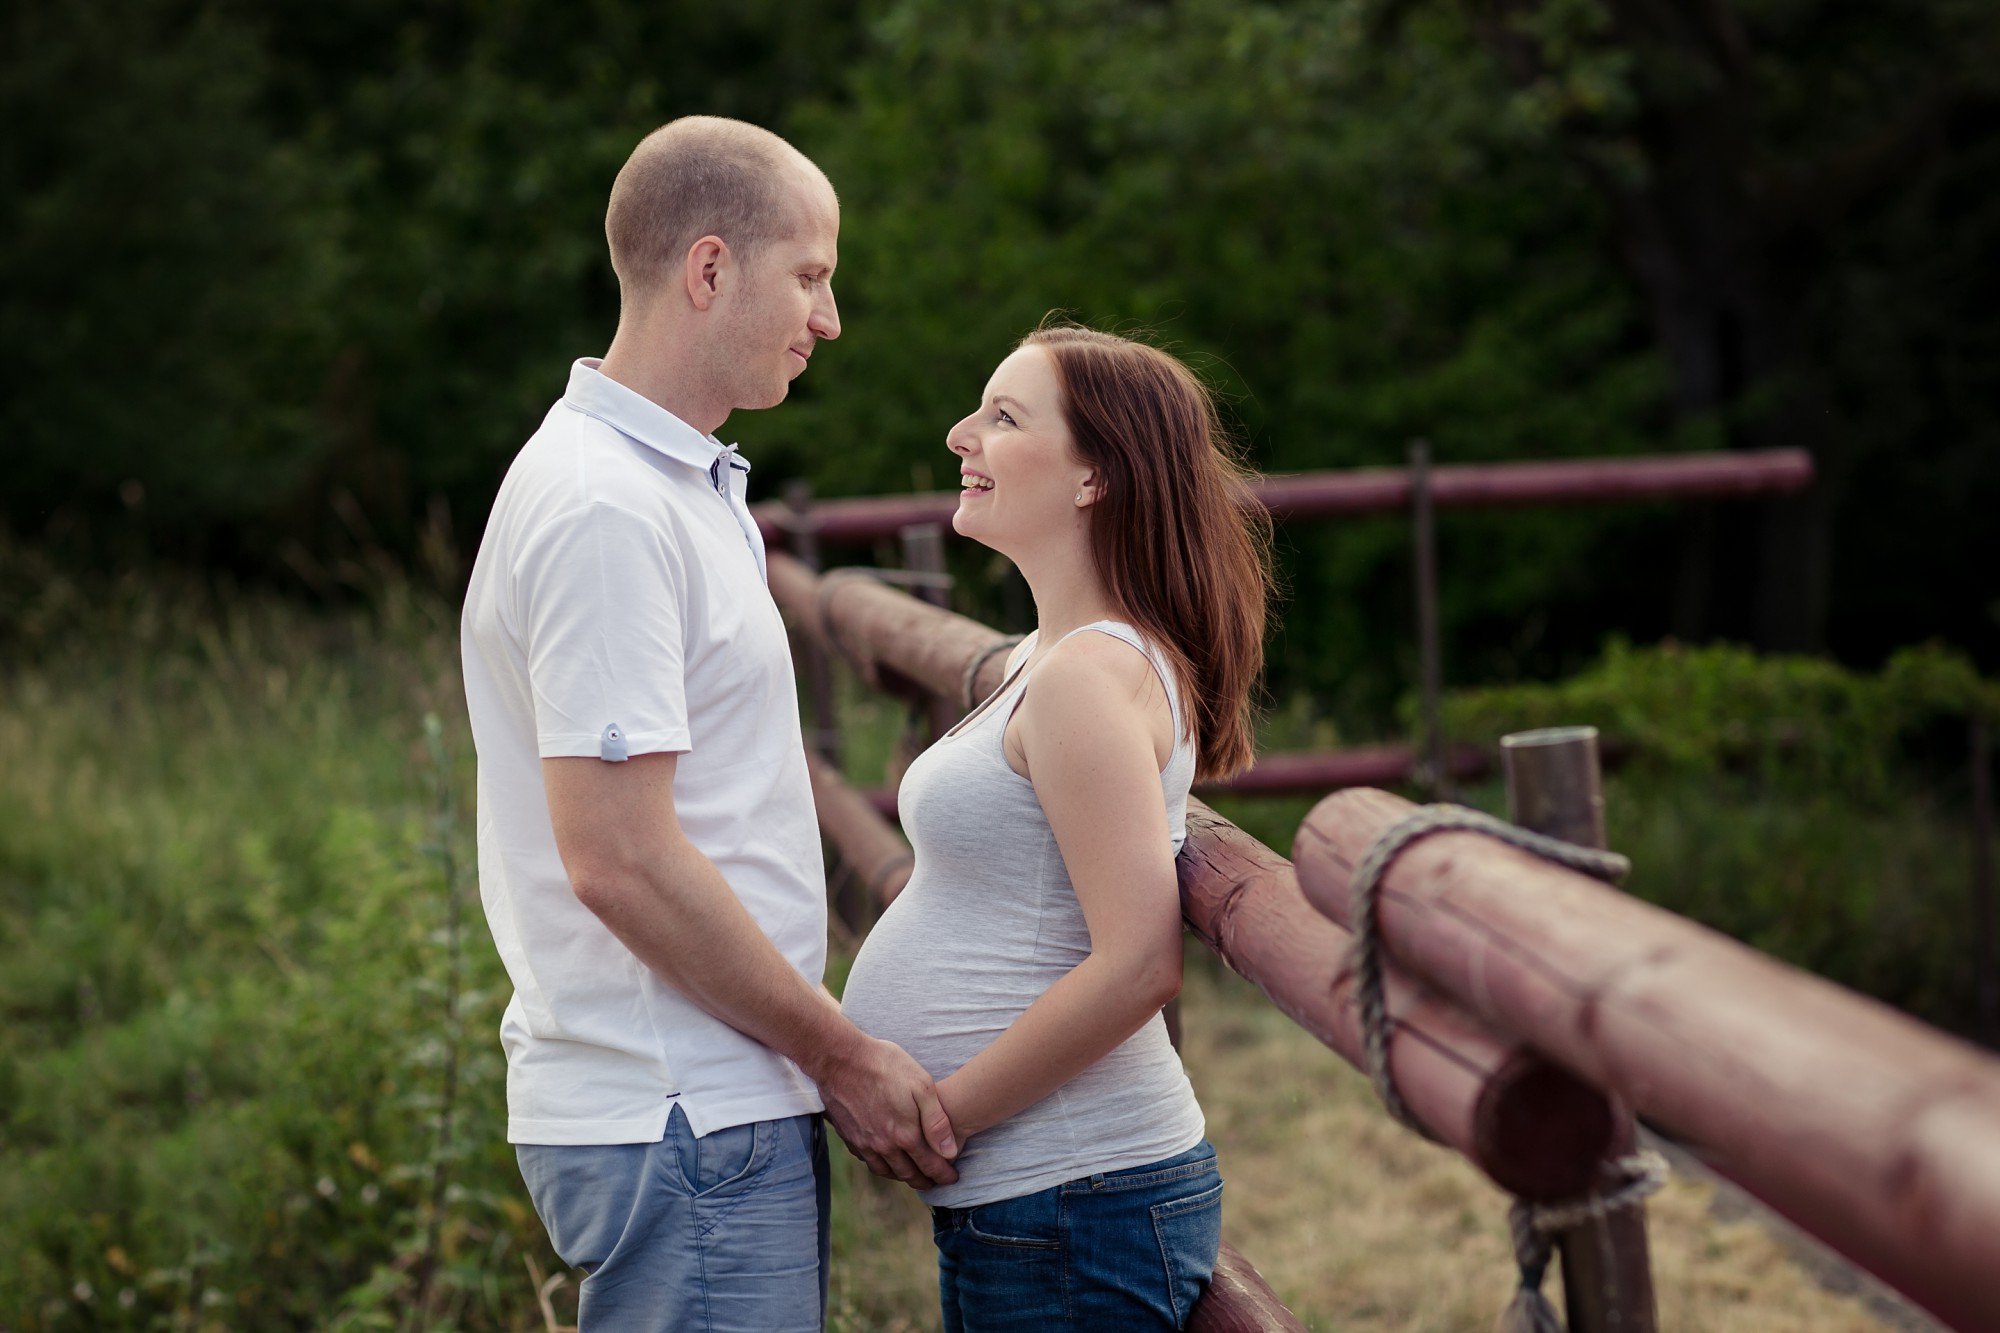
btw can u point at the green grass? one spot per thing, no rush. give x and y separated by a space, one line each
249 1075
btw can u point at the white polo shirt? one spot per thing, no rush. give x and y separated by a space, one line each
618 607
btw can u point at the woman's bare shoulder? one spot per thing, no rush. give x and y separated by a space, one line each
1094 678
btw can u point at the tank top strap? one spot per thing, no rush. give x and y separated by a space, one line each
1127 633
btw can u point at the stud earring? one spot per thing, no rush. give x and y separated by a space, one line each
1079 497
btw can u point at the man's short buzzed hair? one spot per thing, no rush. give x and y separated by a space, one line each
694 177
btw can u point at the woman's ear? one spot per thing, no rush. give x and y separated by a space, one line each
1089 491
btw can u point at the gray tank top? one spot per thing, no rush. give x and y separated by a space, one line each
989 921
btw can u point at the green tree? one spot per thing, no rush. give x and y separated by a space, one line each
1781 179
1361 242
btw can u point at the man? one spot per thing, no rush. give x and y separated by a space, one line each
648 855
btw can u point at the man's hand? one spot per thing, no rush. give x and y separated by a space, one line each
887 1112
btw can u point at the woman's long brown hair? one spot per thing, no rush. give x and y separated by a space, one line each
1182 546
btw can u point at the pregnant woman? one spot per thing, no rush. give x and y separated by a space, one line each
1026 962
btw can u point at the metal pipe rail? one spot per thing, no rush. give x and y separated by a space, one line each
1316 772
1351 491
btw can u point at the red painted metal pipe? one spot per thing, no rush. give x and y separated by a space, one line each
1309 772
1349 491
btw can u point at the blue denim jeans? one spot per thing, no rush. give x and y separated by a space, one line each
725 1234
1121 1249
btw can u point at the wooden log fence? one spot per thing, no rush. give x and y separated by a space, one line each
1527 997
1869 1130
1534 1128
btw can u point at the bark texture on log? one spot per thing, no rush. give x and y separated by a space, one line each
1386 490
872 847
1535 1129
1239 1300
891 638
1872 1131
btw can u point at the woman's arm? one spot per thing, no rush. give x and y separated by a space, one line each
1087 730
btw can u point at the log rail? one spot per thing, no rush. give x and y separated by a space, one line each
1529 1002
1868 1129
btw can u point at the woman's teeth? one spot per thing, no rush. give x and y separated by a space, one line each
968 482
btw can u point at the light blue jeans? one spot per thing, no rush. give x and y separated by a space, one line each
724 1234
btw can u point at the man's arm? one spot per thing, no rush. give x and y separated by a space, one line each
631 864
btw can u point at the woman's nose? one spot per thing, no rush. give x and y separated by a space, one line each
958 440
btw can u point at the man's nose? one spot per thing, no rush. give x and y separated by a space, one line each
825 321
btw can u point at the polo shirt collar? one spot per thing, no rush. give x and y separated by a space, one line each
631 413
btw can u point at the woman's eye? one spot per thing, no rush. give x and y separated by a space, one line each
1002 416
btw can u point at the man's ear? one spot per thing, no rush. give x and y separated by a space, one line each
704 270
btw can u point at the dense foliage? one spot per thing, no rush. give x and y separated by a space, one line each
1820 814
287 284
1800 720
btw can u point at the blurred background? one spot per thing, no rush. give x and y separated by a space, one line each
287 285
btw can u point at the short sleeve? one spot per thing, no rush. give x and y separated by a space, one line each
601 596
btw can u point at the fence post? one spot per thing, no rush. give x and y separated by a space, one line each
819 675
1987 981
1430 652
923 553
1554 786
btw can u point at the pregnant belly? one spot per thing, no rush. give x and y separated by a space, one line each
943 1005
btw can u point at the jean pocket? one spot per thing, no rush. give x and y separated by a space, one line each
1031 1222
725 1158
1189 1233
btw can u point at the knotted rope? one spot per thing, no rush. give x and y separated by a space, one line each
1533 1226
970 683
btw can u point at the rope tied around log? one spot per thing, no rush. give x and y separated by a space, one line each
970 682
1376 1025
1533 1226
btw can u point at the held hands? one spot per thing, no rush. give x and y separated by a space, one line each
887 1112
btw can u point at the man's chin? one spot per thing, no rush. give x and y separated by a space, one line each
770 398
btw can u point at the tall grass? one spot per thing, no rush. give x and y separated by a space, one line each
248 1057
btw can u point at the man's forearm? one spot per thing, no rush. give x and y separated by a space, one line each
680 918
